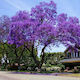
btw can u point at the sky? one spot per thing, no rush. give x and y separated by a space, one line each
71 7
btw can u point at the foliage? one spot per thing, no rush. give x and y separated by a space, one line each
78 67
53 58
26 60
69 29
75 70
24 32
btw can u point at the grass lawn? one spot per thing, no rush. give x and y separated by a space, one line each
72 75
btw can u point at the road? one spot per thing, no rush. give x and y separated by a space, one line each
6 78
10 76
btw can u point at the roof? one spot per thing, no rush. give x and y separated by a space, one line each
71 60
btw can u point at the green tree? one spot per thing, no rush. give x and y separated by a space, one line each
53 58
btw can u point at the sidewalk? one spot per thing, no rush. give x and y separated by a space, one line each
9 76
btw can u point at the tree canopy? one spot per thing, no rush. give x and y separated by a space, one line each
41 26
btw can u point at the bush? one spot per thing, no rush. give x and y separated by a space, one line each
47 65
2 67
75 70
24 67
78 67
48 69
29 68
61 66
12 67
56 69
43 69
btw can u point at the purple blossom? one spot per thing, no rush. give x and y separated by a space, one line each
69 29
45 26
44 12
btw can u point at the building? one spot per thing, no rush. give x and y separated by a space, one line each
72 57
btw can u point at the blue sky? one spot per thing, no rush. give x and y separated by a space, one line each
10 7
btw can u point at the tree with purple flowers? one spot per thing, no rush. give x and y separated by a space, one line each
36 27
69 30
41 27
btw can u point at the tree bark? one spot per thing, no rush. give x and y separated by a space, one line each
42 57
39 63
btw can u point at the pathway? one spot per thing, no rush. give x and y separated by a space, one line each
9 76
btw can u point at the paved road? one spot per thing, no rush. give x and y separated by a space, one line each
6 78
9 76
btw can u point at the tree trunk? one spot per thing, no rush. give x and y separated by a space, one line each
19 67
42 58
37 62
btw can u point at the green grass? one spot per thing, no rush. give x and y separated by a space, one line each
37 72
71 75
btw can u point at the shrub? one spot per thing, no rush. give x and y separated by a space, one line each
43 69
61 66
56 69
78 67
48 68
75 70
47 65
